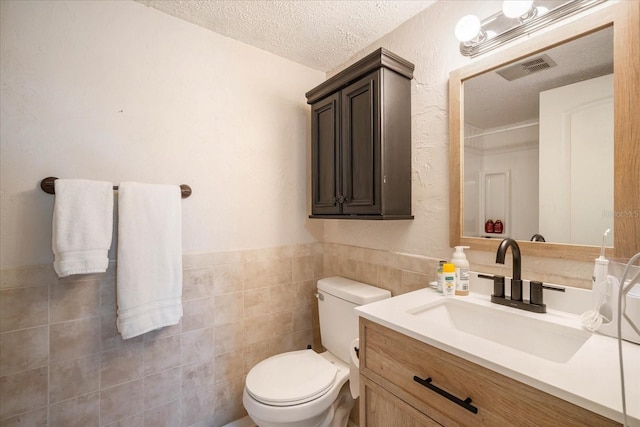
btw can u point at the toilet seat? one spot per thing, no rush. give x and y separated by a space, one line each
290 379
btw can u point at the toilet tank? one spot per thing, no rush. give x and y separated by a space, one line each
337 298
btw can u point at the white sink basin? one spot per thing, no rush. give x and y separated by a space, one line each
550 341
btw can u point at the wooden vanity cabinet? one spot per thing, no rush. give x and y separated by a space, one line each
361 141
389 361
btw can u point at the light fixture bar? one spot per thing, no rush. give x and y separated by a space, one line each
492 24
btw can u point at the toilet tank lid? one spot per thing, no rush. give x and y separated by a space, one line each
356 292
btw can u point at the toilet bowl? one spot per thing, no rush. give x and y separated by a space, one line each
306 389
276 396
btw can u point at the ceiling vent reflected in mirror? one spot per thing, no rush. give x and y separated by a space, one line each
526 68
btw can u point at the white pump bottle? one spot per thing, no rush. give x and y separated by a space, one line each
462 270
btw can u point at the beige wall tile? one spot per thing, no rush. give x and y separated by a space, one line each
24 349
121 401
167 415
255 353
228 308
255 274
229 366
318 266
23 392
281 297
230 337
228 278
37 418
281 323
228 401
197 283
256 302
197 345
303 268
368 273
161 354
198 314
73 339
411 281
197 406
74 299
135 421
162 387
280 271
304 293
26 277
257 329
110 338
390 279
108 297
198 375
71 378
302 318
22 308
164 332
82 411
282 344
302 339
121 365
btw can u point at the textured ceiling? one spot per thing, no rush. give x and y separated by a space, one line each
321 34
491 101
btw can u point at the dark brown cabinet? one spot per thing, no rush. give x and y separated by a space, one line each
361 140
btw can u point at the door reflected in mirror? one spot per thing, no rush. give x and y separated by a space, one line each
538 145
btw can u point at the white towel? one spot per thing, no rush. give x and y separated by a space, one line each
82 226
149 269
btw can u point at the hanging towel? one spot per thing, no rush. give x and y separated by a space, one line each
149 269
82 226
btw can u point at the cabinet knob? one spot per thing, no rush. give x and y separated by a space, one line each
341 199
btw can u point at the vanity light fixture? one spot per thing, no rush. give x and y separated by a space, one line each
517 18
521 9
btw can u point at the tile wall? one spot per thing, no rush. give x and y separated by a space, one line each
63 363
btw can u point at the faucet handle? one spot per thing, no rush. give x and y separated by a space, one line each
535 292
498 286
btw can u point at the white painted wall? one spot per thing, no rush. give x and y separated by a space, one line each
198 108
117 91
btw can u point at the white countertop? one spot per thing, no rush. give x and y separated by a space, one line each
590 379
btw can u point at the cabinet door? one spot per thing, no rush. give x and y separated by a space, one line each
379 408
361 186
325 140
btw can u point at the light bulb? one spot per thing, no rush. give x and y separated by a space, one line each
516 8
467 28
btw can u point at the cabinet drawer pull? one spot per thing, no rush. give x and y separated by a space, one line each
466 404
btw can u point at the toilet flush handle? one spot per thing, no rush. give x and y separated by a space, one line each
319 296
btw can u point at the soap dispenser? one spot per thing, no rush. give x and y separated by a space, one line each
462 270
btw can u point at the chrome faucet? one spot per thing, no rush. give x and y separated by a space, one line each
535 303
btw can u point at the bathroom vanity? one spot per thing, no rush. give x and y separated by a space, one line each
422 363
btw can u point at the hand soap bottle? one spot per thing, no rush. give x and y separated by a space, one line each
462 270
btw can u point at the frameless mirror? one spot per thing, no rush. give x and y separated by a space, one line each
544 140
538 145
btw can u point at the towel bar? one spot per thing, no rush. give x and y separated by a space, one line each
48 186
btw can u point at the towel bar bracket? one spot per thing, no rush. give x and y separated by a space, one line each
47 185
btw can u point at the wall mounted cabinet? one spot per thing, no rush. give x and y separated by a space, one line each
361 140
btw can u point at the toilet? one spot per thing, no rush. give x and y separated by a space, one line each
307 389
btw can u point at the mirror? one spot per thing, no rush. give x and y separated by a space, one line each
538 134
535 149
